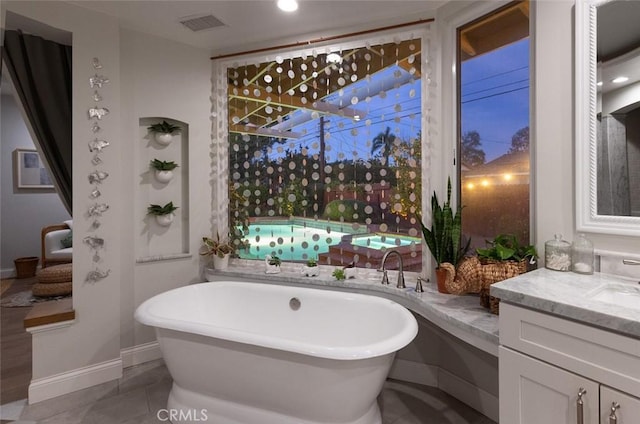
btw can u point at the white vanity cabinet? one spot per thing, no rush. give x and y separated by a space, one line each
554 370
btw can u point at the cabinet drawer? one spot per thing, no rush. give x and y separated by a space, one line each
628 411
592 352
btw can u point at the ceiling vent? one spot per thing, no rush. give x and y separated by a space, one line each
201 23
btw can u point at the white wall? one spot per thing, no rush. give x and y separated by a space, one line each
161 78
23 213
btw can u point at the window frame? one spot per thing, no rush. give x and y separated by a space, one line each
219 114
450 18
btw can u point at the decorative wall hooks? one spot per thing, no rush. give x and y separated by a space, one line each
98 209
94 242
97 81
96 177
98 112
97 145
97 275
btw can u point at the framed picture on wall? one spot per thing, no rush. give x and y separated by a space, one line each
29 170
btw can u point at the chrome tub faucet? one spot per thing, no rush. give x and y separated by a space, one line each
385 276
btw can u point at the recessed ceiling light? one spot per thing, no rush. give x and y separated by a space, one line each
620 80
288 5
599 83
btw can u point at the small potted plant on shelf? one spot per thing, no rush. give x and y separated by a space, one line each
164 214
311 268
444 238
272 264
163 170
163 132
219 250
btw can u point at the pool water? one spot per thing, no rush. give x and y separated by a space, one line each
379 242
291 242
299 242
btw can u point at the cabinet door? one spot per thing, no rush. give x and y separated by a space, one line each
534 392
626 412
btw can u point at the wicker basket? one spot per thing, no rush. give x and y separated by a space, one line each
26 267
494 271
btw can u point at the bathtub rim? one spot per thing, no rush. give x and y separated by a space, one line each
390 345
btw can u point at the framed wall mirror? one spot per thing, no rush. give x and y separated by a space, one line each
607 110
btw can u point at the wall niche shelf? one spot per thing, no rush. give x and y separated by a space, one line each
153 241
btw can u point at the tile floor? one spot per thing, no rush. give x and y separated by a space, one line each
142 392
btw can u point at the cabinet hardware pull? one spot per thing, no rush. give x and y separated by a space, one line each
612 416
579 405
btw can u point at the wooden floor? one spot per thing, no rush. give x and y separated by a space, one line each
15 347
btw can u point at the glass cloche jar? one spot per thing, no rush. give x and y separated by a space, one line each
582 255
557 254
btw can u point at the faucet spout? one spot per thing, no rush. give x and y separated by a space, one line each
382 269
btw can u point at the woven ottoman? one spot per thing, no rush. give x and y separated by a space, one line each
54 281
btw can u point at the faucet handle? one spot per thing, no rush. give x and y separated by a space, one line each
400 284
385 277
419 288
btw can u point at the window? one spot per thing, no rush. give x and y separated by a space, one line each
493 59
324 150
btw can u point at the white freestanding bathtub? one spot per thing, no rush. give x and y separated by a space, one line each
269 354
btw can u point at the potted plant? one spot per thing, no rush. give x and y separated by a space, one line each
504 257
163 170
339 274
444 238
272 264
505 247
219 250
164 214
163 132
311 268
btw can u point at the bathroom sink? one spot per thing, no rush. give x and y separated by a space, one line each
621 294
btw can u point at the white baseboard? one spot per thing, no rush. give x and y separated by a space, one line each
67 382
7 273
480 400
139 354
414 372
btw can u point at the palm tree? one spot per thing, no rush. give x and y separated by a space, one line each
383 142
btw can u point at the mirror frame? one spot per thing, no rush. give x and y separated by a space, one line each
586 137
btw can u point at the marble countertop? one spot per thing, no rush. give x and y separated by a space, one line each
570 295
461 316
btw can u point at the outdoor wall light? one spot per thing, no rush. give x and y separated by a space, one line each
334 58
288 5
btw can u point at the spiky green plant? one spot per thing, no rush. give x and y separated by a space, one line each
444 239
164 127
161 165
161 210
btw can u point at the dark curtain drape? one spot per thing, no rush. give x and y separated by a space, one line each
41 74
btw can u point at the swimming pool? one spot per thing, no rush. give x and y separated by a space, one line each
299 240
289 241
383 241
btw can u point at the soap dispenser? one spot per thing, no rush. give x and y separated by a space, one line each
582 255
